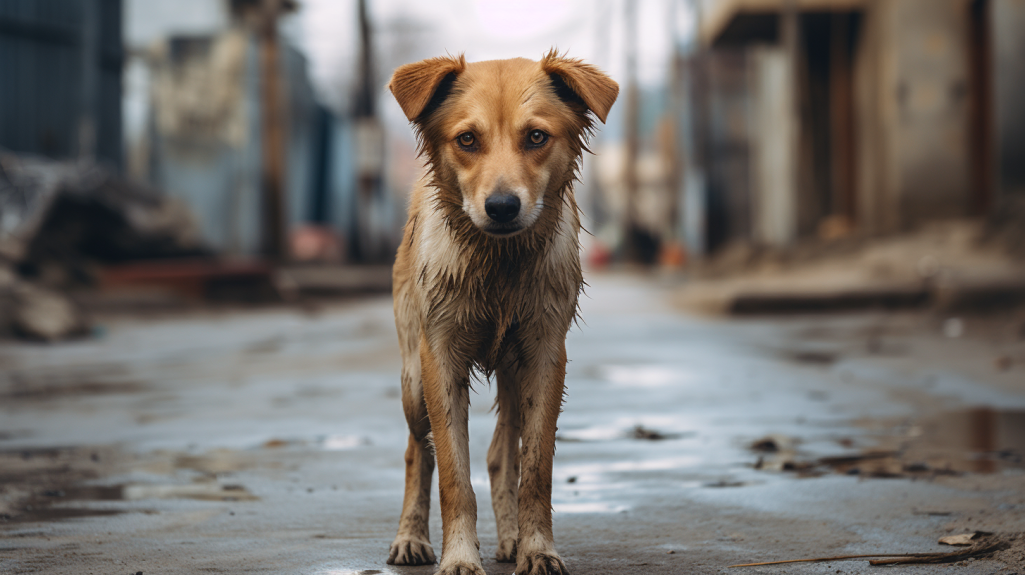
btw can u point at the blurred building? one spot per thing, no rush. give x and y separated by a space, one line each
60 78
872 116
205 135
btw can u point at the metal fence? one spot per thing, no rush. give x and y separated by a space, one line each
60 78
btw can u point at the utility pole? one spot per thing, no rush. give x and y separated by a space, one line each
674 177
790 37
272 133
367 240
631 227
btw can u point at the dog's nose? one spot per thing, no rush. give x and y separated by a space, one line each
503 208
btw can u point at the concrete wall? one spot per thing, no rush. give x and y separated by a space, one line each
932 129
206 139
913 112
1009 78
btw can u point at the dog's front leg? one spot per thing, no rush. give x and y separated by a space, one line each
446 391
504 462
540 404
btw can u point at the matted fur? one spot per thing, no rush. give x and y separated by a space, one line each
468 298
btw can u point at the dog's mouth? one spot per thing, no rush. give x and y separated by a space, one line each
500 231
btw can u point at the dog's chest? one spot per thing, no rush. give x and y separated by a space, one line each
493 307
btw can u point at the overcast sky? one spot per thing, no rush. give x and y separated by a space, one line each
409 30
487 29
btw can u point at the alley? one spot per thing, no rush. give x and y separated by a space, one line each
271 441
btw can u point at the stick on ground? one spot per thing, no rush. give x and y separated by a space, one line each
896 558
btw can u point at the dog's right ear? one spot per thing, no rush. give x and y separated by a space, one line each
414 85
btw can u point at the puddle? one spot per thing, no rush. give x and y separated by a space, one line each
359 572
643 375
43 392
198 491
342 442
69 382
627 428
325 442
979 440
588 472
57 504
593 507
54 483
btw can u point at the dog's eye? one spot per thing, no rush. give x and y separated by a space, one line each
466 139
537 138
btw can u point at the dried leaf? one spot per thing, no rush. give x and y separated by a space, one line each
963 538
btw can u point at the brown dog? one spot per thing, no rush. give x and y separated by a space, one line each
487 278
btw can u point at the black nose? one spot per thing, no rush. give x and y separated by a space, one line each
503 208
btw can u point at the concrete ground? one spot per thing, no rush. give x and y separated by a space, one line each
271 441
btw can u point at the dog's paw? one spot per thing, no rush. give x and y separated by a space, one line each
460 568
541 564
410 551
506 551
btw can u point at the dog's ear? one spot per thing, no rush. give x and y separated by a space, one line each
414 85
587 84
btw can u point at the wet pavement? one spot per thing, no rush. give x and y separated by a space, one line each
272 441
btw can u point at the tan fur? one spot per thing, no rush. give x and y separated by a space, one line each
470 296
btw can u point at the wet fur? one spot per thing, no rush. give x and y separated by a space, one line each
466 300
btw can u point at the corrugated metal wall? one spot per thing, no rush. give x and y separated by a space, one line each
60 78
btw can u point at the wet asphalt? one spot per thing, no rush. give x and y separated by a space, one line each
271 441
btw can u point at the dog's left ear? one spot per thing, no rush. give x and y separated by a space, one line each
596 90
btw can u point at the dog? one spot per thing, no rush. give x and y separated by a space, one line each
485 283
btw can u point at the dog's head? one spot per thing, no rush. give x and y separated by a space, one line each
502 137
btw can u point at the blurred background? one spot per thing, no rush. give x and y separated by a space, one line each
803 330
252 143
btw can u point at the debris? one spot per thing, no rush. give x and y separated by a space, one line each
61 222
963 538
772 444
61 217
980 550
935 513
641 432
814 560
725 483
42 314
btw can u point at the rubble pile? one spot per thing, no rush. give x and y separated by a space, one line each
58 222
957 264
